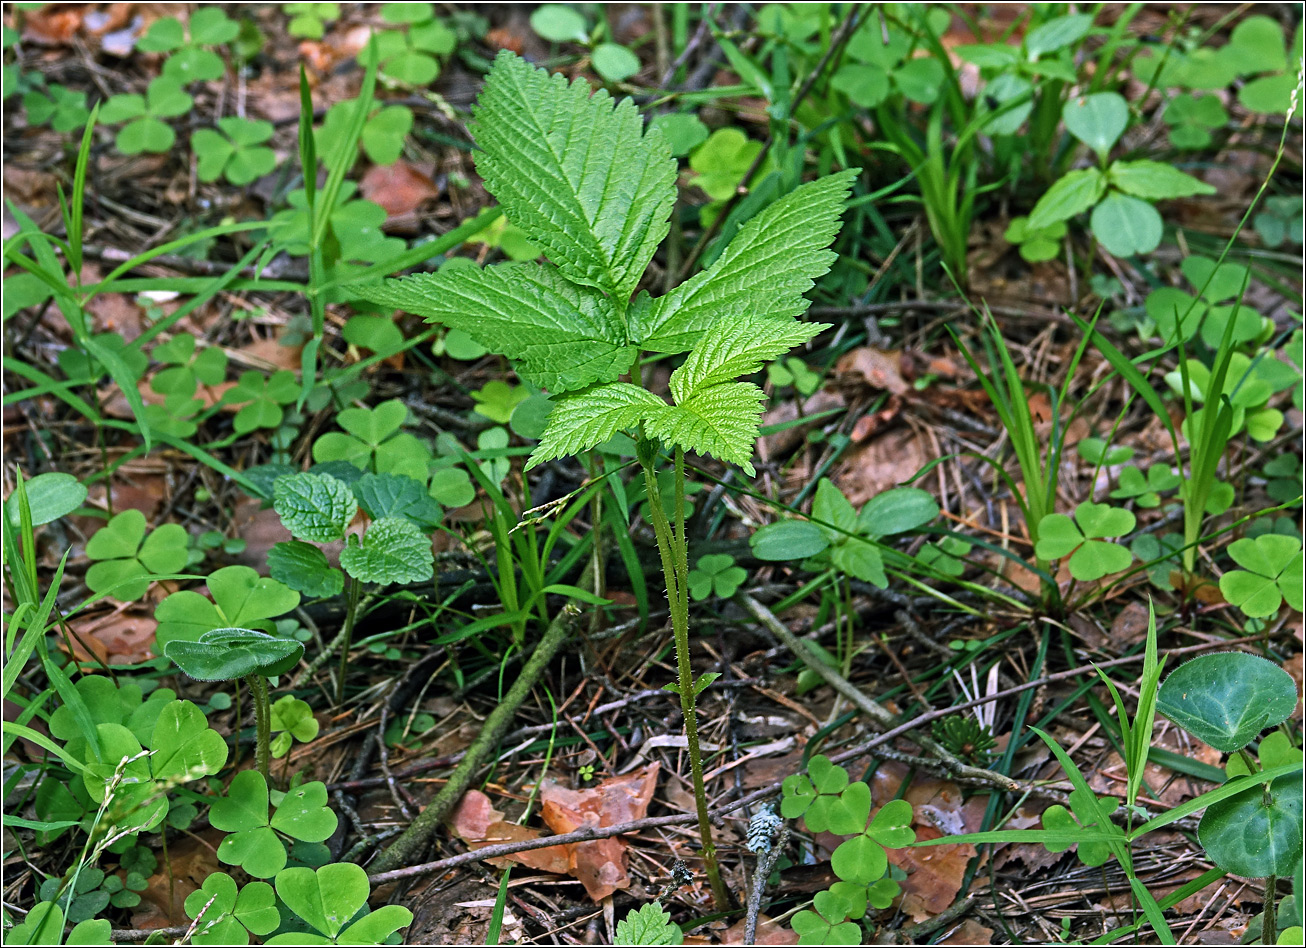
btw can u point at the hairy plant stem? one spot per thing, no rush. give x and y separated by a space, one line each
347 636
258 689
674 552
415 838
1269 924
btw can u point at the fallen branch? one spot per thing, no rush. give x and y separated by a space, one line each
418 834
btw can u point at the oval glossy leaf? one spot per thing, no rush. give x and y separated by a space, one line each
1126 225
225 654
897 511
1072 193
1250 836
49 497
788 540
1226 699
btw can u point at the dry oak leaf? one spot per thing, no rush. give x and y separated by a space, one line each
599 864
479 824
879 369
399 188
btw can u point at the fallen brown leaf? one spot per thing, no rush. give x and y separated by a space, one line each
877 368
399 188
479 824
599 864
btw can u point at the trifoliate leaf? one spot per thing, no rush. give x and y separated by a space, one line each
720 420
732 349
392 551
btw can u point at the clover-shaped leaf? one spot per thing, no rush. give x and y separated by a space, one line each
308 20
226 917
189 61
146 130
126 558
241 598
497 399
293 718
227 654
327 898
891 826
314 507
861 860
374 441
1145 489
946 556
65 109
1091 557
1226 699
816 796
793 371
392 551
826 925
189 367
304 568
236 149
253 843
185 747
720 163
136 800
1272 573
264 396
1098 451
716 574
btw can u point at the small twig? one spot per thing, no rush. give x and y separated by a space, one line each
871 708
912 934
419 832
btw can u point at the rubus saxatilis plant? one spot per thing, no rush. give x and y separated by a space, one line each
582 178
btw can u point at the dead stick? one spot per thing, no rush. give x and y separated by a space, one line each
418 834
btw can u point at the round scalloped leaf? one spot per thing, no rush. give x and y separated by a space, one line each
1227 698
1249 836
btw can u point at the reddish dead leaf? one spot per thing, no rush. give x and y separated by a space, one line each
399 188
599 864
260 527
126 636
768 933
934 874
881 463
877 368
479 824
1130 625
52 26
115 312
504 38
874 422
267 355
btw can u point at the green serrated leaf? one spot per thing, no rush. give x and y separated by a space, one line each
392 551
314 507
575 172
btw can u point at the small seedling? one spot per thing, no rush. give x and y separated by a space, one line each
228 654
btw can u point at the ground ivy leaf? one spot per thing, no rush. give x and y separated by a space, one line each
396 495
392 551
313 506
304 568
